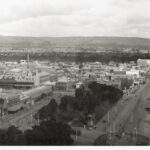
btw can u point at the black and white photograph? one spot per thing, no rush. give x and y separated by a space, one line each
75 73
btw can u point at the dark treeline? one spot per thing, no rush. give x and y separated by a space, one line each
78 57
96 99
48 112
47 133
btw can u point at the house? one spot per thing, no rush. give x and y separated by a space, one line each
133 72
62 83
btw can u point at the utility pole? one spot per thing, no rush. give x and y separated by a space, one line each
31 116
47 96
94 121
67 82
38 119
110 133
135 135
131 117
135 132
114 130
1 118
108 117
76 134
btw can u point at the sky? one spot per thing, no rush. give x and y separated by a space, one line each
58 18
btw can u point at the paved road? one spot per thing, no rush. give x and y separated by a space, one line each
115 119
139 120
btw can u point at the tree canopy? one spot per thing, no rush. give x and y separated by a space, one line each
47 112
47 133
89 101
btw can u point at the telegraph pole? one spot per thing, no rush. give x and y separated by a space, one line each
1 118
114 124
108 117
135 134
110 133
94 121
76 134
31 116
38 119
131 117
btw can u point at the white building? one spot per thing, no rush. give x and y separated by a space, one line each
141 62
133 72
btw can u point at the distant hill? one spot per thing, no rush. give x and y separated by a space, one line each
74 42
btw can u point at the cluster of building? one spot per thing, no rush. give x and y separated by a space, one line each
32 79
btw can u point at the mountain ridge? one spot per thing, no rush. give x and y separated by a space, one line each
74 41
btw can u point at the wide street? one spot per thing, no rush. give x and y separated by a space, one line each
116 119
139 120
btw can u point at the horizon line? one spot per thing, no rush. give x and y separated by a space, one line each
73 36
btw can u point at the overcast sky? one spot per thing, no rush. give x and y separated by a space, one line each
75 17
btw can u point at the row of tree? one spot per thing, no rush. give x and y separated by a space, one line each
53 129
47 133
93 99
80 57
47 112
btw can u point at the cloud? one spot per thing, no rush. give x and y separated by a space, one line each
75 17
13 10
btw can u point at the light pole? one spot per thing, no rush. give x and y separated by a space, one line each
94 121
114 124
76 134
31 116
38 119
110 133
31 110
131 117
47 96
108 117
1 117
107 124
135 132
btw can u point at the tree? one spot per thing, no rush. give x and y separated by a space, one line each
1 101
105 93
49 133
11 136
68 103
47 112
53 105
79 93
102 140
126 83
89 101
